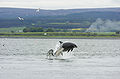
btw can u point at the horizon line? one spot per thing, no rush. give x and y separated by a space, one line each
61 8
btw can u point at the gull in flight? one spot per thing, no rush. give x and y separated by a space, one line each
20 18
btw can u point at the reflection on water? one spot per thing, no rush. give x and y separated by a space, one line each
26 59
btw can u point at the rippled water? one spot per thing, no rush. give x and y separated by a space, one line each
26 59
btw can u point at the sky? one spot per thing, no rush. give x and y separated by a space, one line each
60 4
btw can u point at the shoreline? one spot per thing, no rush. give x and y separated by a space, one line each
63 37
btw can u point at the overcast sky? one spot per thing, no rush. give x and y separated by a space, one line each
60 4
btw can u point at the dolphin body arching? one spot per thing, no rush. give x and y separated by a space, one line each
67 46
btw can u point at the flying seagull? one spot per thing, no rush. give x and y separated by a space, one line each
20 18
38 10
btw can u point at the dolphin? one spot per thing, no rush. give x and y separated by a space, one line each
67 46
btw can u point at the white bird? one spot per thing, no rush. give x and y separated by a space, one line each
20 18
38 10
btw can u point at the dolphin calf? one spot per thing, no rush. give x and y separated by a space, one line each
50 53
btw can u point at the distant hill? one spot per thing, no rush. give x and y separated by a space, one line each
46 18
14 12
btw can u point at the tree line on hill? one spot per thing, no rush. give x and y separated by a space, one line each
40 29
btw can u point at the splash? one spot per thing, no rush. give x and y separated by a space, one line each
56 47
104 26
63 55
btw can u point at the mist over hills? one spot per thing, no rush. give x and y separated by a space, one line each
48 18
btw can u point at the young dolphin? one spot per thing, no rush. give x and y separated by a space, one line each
67 46
50 53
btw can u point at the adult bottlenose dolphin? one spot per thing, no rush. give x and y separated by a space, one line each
67 46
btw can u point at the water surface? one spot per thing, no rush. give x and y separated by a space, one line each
26 59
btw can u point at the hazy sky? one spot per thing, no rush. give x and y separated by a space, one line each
59 4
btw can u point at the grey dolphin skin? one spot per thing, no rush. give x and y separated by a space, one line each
67 46
50 53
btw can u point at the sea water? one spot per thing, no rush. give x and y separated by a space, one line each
26 59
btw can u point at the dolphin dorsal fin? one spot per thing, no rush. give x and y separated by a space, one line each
60 42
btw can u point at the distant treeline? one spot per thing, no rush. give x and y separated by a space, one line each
60 34
40 29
